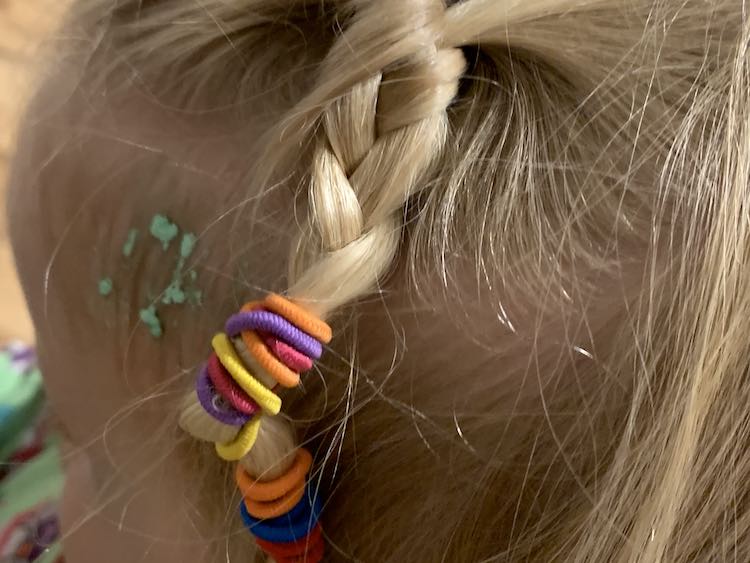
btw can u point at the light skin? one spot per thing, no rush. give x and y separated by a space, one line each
104 371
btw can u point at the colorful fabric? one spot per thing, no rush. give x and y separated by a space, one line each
31 477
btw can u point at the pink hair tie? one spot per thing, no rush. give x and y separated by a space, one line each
291 357
228 388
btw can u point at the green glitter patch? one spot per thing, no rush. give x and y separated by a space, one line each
152 321
105 286
163 230
187 245
175 292
127 248
194 295
181 289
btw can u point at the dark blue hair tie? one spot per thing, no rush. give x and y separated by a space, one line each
290 527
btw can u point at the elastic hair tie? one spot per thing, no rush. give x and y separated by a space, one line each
273 323
267 342
292 549
268 362
278 507
285 528
314 555
207 397
263 491
299 317
228 388
267 399
243 443
293 359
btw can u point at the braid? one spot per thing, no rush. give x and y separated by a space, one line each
380 137
380 130
379 140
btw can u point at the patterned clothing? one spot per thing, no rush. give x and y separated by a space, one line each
31 477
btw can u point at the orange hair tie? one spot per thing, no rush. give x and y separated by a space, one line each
296 315
267 361
265 510
264 491
299 317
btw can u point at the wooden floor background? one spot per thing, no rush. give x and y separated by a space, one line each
24 24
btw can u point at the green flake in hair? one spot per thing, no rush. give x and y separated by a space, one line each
105 286
151 320
127 248
173 294
163 230
187 245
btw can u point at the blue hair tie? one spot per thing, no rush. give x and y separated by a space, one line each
290 527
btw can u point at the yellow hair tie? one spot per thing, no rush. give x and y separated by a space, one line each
242 444
269 401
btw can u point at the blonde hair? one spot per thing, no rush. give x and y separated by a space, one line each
550 193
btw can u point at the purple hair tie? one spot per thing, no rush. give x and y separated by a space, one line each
215 405
277 325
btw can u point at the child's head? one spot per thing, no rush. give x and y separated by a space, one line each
525 221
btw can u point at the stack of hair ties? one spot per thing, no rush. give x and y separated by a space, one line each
283 340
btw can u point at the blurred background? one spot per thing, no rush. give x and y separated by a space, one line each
24 24
31 476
